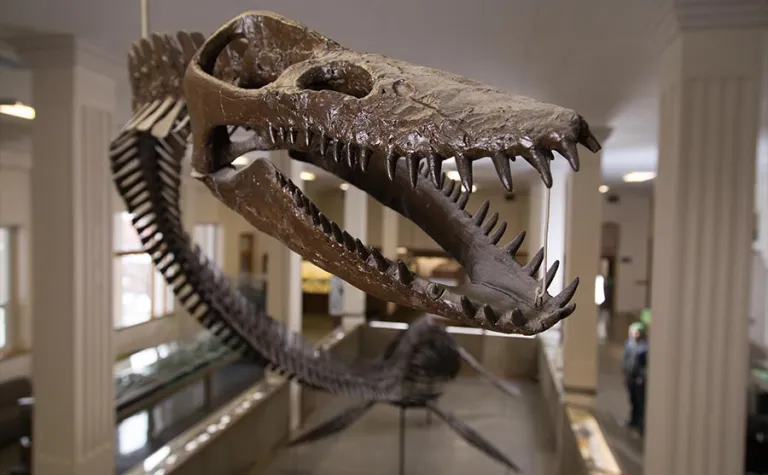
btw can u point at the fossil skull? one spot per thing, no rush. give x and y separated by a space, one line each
386 127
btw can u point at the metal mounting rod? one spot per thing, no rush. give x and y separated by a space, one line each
144 6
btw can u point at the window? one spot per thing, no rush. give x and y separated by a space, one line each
5 284
141 292
208 237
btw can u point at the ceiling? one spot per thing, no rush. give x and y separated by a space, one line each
595 56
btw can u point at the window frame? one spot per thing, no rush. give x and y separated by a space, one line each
157 284
217 245
7 275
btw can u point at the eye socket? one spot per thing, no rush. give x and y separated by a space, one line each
342 77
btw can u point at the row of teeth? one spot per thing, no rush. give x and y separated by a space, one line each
400 272
359 156
372 257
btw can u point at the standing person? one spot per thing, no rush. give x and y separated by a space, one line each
635 373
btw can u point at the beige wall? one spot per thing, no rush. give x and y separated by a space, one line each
633 215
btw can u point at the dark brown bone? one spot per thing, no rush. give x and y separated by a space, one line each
355 114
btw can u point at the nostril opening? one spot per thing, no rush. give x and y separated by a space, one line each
341 77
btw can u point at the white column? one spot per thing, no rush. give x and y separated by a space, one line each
390 230
583 224
72 369
356 224
703 228
284 300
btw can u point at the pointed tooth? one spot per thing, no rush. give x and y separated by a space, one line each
326 224
362 251
323 144
463 199
551 272
349 241
567 294
365 159
488 314
464 166
456 192
297 198
307 203
308 136
515 317
587 139
496 237
533 265
401 272
480 215
490 223
293 134
448 187
501 163
391 164
423 168
412 162
435 165
377 260
541 164
336 150
315 214
467 306
571 153
282 134
350 149
337 233
272 137
515 244
566 311
435 290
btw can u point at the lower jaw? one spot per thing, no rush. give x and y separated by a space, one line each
268 201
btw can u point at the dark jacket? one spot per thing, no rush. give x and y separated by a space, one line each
635 364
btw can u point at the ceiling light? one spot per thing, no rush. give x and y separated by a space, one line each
19 110
603 188
344 186
241 160
637 177
307 176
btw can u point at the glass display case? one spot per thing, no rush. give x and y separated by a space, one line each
149 371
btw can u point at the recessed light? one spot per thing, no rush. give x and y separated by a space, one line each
307 176
19 110
241 160
603 188
344 186
637 177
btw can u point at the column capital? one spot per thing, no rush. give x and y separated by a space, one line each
724 14
679 16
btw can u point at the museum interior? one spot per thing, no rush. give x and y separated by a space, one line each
331 237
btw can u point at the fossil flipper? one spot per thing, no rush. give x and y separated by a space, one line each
472 437
335 424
